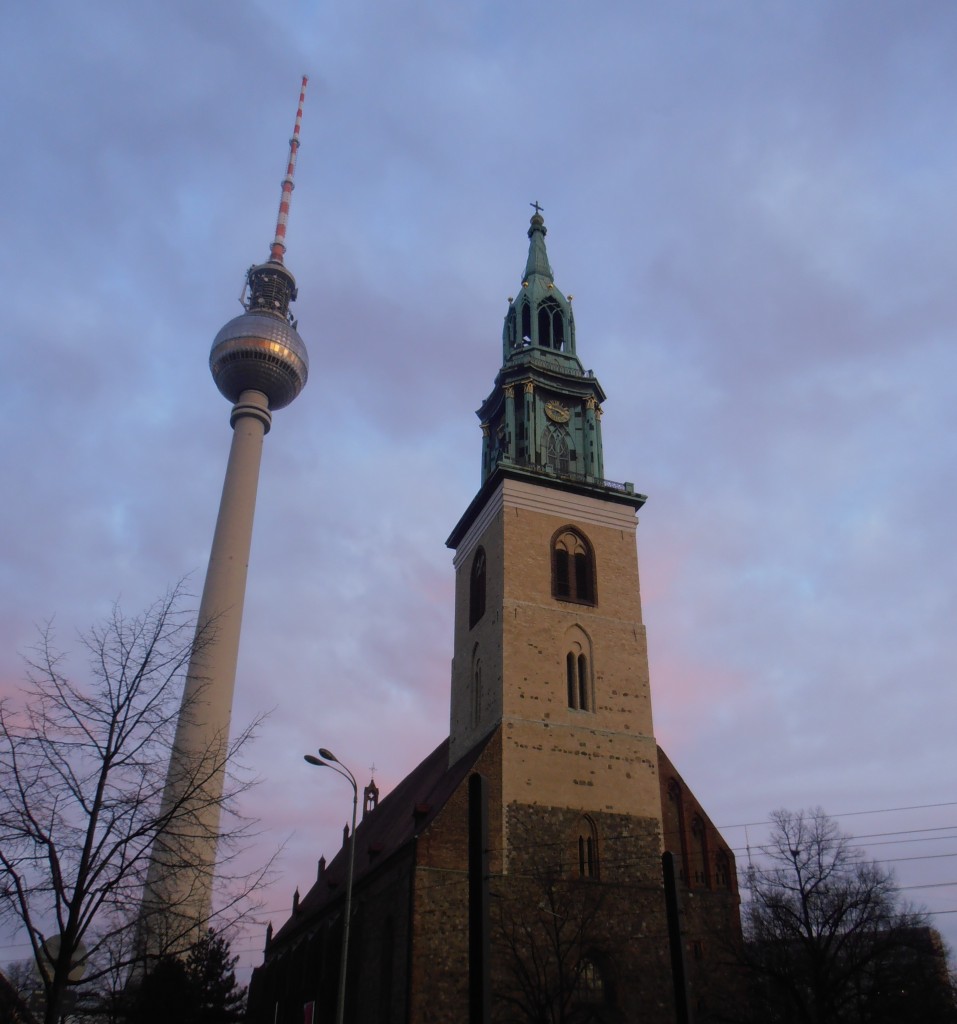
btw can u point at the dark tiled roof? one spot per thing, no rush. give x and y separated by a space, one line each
394 823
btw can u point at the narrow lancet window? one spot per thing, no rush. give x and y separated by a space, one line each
477 588
558 331
699 852
476 692
577 678
544 327
587 849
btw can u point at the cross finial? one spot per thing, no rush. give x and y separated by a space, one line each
372 769
538 209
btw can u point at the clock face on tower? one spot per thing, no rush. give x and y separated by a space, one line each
556 411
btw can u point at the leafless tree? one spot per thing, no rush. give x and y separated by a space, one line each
19 995
545 928
82 772
828 938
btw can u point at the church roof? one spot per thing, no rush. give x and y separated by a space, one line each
388 828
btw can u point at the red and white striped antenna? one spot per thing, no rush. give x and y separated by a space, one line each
278 248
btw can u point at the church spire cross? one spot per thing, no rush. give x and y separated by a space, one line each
537 256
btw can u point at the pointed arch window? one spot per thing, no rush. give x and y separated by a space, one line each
699 852
578 680
589 985
578 671
551 325
476 687
557 449
675 839
477 588
526 324
722 871
588 866
573 567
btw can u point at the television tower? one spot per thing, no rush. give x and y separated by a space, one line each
259 363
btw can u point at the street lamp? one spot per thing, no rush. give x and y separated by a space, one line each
328 759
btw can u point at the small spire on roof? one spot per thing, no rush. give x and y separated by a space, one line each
370 797
537 264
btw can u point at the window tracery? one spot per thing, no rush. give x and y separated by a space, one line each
551 325
573 567
555 444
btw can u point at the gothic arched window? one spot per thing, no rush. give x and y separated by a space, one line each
578 681
674 826
557 449
573 568
699 852
587 849
590 985
722 870
526 323
477 588
551 325
476 687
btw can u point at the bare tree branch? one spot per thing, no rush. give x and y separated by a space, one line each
82 775
828 938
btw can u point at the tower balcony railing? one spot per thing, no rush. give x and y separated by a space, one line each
555 473
545 362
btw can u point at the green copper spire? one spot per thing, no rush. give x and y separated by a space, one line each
542 421
541 317
544 413
538 265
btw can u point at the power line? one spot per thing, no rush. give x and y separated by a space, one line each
851 814
856 841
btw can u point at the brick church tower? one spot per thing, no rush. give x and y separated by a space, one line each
550 702
550 651
549 642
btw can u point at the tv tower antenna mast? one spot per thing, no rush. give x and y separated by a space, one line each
259 362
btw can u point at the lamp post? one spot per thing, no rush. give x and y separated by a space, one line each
328 759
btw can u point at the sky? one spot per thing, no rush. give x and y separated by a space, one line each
753 205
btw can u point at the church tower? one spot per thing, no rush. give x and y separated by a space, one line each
550 666
549 642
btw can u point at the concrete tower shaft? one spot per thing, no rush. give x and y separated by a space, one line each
259 362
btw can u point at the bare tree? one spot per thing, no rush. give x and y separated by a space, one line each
828 938
19 993
546 925
82 773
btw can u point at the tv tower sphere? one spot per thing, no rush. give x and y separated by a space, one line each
260 350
